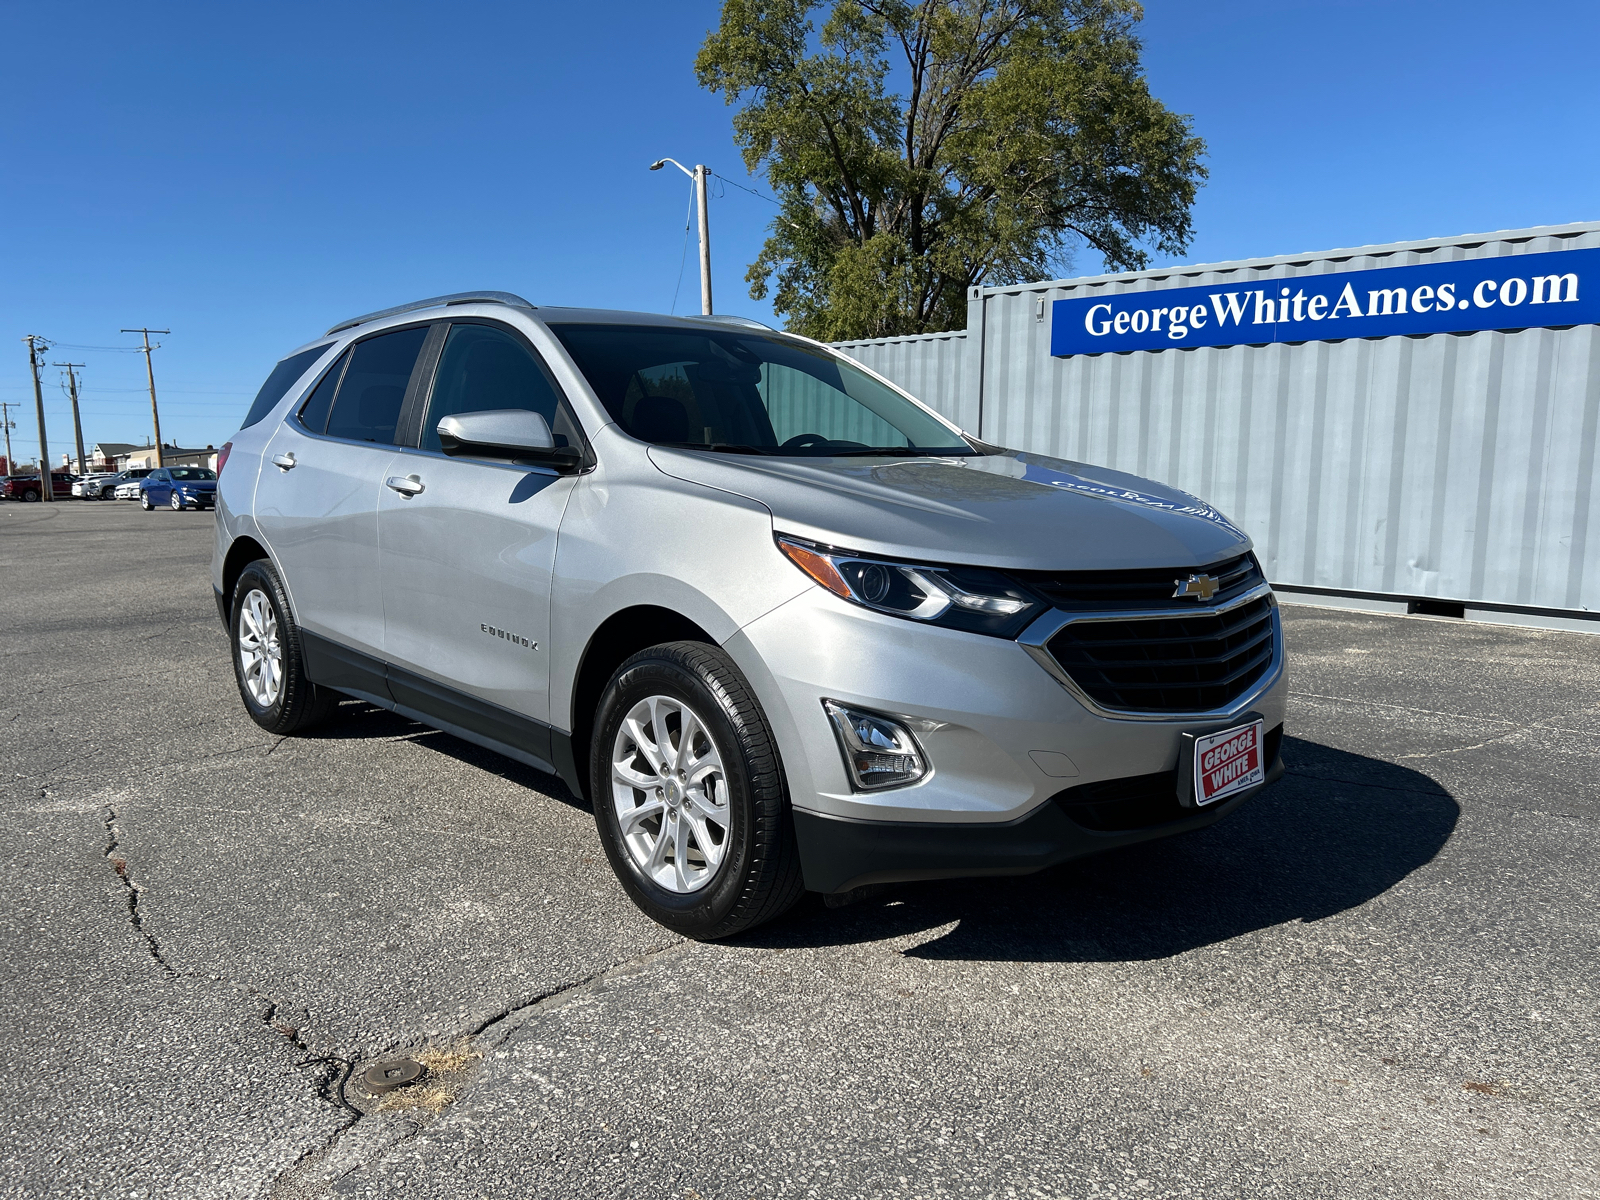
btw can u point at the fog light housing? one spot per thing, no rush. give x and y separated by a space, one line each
878 752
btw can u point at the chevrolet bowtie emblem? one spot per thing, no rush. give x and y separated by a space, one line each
1199 587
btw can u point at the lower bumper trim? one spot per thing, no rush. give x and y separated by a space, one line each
840 854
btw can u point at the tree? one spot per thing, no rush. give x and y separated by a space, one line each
1022 130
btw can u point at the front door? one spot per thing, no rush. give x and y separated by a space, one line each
468 547
317 505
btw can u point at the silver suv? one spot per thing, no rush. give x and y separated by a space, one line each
782 625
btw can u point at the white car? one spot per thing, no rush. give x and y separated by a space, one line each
88 488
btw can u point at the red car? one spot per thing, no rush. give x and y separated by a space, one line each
26 487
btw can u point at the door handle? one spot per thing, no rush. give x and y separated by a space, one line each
406 485
284 462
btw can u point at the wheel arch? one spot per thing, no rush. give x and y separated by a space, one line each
622 634
244 551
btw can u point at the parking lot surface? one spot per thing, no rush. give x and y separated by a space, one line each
1382 978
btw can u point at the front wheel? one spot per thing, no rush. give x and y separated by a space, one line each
176 502
689 793
144 502
269 658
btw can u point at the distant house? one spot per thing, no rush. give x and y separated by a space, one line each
172 456
103 456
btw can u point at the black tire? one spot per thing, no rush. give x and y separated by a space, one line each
759 876
299 703
175 501
30 497
144 502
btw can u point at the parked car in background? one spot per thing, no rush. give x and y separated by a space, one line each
111 489
81 488
26 487
179 488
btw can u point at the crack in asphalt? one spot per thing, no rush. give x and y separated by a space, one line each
294 1181
131 889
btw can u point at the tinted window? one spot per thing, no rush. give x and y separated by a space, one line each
192 473
485 368
282 378
314 412
747 391
367 408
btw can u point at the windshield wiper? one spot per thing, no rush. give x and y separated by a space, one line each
900 452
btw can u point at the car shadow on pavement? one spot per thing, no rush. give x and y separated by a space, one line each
1337 831
356 719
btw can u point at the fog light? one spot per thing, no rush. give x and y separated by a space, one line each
878 752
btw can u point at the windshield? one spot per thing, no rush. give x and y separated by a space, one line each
747 392
192 473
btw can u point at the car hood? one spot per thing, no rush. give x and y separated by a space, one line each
1010 510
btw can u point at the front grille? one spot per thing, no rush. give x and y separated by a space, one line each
1190 663
1097 591
1139 801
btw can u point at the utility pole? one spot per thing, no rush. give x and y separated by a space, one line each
700 174
77 425
155 413
8 425
46 484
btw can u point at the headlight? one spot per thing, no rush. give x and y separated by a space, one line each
970 598
879 752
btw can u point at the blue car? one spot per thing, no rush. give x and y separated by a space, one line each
179 488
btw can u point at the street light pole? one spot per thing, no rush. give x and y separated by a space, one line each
155 413
46 483
700 173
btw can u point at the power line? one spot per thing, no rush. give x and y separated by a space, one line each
752 191
683 258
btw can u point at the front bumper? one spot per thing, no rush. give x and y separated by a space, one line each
1008 745
838 854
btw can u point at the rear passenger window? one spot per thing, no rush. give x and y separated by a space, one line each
484 368
367 407
314 412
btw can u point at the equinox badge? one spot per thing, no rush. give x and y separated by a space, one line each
1200 587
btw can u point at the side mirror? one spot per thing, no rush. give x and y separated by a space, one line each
513 433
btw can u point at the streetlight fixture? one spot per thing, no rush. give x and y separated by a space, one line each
699 174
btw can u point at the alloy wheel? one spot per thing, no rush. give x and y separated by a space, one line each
260 648
669 789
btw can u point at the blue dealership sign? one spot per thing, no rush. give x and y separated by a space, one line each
1561 287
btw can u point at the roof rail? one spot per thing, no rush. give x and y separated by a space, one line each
434 302
730 319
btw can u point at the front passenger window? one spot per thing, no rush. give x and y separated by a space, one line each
485 368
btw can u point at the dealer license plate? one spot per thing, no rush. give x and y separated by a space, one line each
1228 762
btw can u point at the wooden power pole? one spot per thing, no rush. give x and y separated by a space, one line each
8 425
77 424
150 371
46 484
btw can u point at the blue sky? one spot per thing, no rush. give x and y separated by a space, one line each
248 175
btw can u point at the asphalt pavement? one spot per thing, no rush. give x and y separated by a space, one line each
1380 979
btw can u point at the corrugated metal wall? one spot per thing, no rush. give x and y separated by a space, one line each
1455 466
930 366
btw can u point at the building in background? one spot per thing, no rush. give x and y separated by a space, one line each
1408 426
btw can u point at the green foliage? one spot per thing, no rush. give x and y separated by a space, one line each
1025 130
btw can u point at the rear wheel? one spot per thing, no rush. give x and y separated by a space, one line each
269 657
689 793
30 496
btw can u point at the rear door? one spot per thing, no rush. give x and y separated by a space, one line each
468 546
317 504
